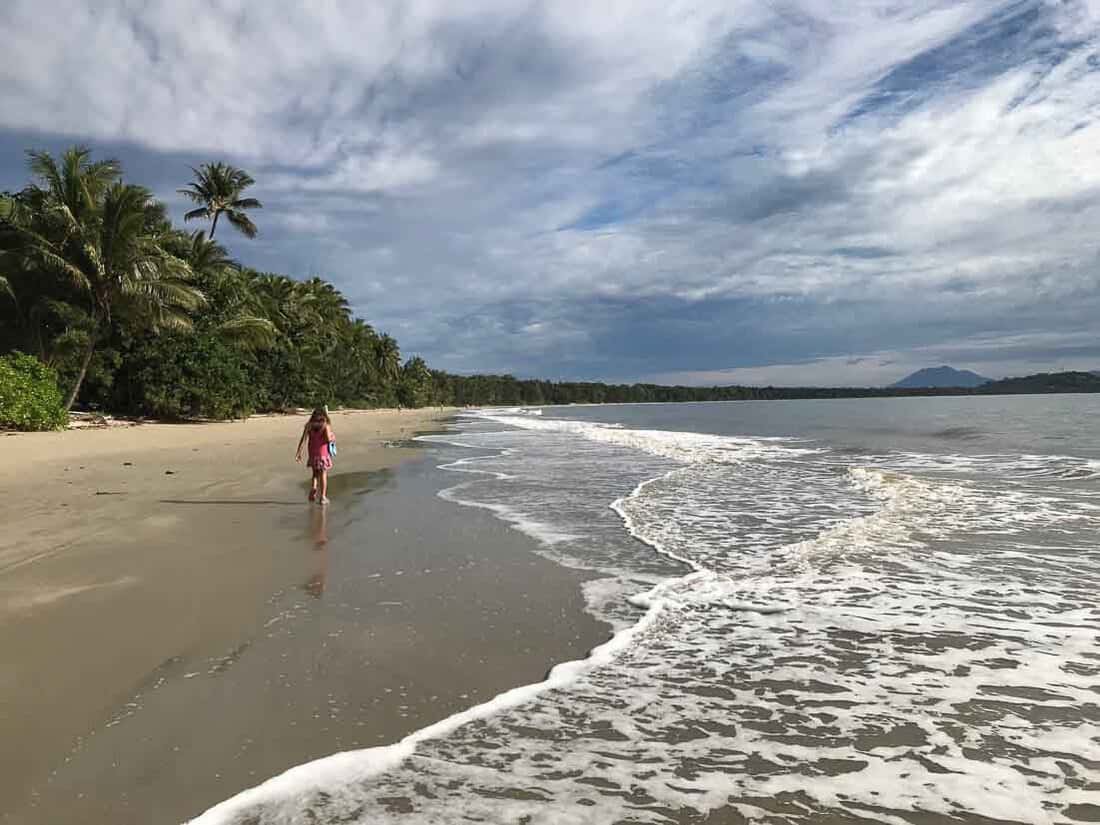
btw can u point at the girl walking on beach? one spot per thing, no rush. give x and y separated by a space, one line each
320 438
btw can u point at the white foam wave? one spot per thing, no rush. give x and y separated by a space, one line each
540 531
619 505
684 447
1023 466
293 787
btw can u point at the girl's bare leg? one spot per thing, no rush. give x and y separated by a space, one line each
324 485
313 486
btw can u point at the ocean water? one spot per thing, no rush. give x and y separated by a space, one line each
840 611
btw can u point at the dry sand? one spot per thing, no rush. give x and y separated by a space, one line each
61 488
177 624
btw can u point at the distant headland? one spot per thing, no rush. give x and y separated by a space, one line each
941 377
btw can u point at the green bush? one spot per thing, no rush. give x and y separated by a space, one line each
29 396
192 376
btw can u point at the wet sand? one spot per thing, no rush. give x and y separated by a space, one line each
171 639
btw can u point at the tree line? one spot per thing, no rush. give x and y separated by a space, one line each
506 390
139 317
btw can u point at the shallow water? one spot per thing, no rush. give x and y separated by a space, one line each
876 610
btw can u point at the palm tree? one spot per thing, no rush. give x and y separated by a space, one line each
103 237
208 259
238 316
76 185
417 368
301 337
217 189
329 301
276 294
7 209
330 308
23 300
357 364
416 383
387 358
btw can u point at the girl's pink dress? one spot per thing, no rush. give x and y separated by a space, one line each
319 458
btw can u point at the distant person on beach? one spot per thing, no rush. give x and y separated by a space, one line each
321 440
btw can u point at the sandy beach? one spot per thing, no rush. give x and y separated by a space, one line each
178 624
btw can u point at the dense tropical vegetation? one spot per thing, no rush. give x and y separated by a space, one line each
107 305
136 316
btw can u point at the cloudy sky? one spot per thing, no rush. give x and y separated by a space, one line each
719 191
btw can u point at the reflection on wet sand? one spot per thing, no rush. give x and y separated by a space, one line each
318 531
344 486
358 483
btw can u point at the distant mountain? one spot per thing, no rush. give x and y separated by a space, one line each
940 377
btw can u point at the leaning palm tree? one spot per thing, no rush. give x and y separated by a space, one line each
217 189
102 237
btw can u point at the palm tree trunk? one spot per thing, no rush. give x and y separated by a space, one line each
214 225
43 356
83 370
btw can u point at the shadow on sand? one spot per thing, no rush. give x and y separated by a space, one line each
237 501
339 484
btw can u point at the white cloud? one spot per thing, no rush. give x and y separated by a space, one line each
381 170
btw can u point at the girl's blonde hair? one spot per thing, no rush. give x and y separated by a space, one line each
321 412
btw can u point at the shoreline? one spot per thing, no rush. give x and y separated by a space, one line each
154 630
